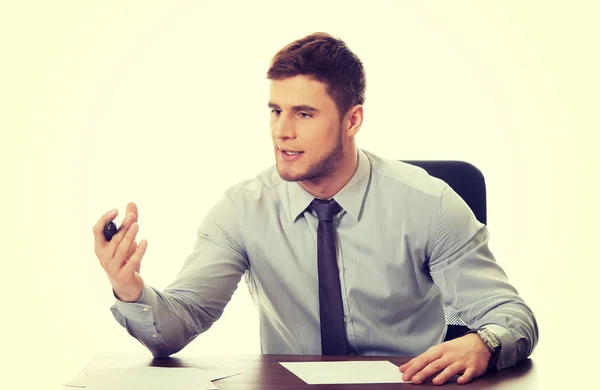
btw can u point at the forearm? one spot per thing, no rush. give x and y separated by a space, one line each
166 321
474 286
488 299
514 323
162 322
477 290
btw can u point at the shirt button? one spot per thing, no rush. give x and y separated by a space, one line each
145 309
154 336
345 319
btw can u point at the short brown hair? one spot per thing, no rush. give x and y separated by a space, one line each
326 59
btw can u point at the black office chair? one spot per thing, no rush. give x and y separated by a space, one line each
468 182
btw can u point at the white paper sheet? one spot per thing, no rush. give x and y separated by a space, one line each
376 371
146 378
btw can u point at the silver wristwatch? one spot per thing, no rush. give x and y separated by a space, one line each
492 341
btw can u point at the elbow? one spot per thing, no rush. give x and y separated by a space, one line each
535 335
161 352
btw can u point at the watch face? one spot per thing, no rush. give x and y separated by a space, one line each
492 341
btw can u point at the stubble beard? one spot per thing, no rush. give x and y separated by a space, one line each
319 170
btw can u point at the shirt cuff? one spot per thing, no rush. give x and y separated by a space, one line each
140 310
508 353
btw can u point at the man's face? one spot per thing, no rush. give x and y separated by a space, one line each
306 130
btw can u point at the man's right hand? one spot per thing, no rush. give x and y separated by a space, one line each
121 256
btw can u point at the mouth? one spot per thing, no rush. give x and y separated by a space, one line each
288 154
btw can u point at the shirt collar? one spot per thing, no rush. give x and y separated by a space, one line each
350 197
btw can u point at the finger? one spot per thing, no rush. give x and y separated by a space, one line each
119 259
118 237
131 250
136 259
421 362
98 229
430 370
132 208
403 367
448 373
135 246
467 376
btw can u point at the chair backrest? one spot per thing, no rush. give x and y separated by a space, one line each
462 177
468 182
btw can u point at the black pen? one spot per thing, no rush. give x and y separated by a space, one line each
110 229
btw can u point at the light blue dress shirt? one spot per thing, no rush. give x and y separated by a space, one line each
407 245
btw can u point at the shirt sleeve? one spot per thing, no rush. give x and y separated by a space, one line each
474 286
166 321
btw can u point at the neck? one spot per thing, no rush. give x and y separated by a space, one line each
327 186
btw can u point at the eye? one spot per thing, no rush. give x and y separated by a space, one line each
276 112
304 115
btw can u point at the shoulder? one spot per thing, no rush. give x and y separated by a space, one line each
249 195
265 183
404 176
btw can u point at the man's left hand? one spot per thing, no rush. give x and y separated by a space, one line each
467 355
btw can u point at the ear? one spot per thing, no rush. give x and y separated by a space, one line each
354 120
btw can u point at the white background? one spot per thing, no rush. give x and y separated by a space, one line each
165 105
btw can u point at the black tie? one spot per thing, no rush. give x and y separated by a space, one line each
333 330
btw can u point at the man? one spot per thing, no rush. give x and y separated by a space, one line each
344 252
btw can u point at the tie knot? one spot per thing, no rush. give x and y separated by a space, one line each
325 209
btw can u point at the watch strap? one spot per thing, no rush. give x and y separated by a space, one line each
491 341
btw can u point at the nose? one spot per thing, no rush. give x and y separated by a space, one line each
284 128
